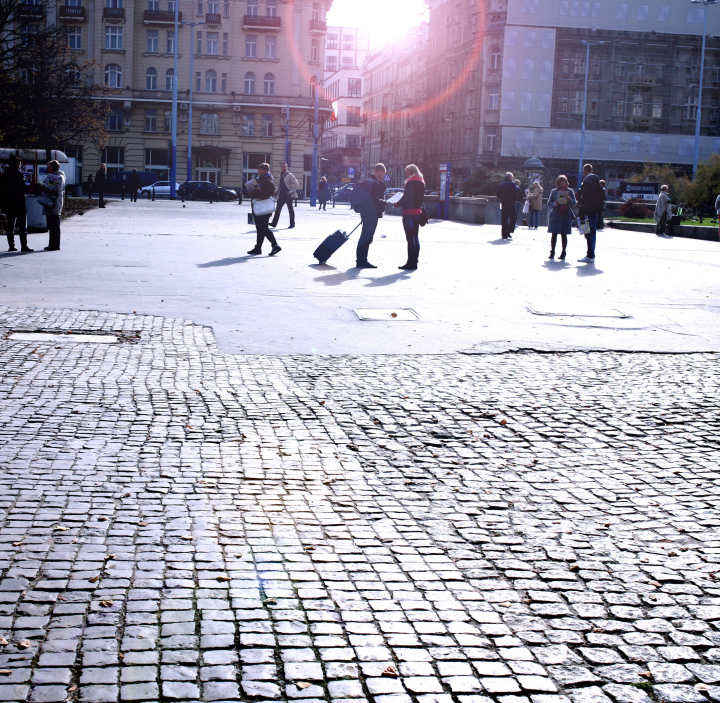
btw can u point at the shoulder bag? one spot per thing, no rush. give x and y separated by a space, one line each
263 207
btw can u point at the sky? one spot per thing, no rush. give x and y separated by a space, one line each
386 21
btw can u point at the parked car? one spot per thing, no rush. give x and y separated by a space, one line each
389 192
161 188
118 180
342 195
203 190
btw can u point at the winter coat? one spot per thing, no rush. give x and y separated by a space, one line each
717 205
557 213
535 198
12 191
289 181
508 194
413 197
100 179
591 196
134 182
323 191
264 187
662 206
375 189
54 186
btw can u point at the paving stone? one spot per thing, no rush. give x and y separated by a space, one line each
677 693
626 694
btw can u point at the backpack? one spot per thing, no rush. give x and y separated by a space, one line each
593 196
358 195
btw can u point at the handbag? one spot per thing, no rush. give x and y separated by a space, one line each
46 201
526 207
424 217
263 207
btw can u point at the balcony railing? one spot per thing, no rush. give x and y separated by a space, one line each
259 22
114 13
27 9
213 18
318 26
160 17
72 13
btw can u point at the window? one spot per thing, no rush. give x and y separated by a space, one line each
530 38
695 15
213 7
657 108
251 45
210 81
270 47
622 11
168 120
353 116
269 84
114 158
564 7
354 87
528 69
151 79
156 157
248 123
271 8
114 4
664 14
171 5
490 138
113 37
267 125
113 76
151 120
508 101
153 41
72 3
314 49
348 42
495 57
348 62
153 5
637 105
546 71
250 83
198 81
115 120
655 143
511 37
529 7
200 8
74 37
331 64
170 42
332 41
509 68
225 44
316 11
252 8
493 102
690 107
526 101
544 102
209 123
643 12
211 43
353 141
226 9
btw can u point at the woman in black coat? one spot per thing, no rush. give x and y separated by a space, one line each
263 188
411 203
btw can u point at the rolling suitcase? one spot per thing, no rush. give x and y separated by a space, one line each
332 244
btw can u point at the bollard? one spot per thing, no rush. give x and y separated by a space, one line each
153 198
122 192
182 196
211 196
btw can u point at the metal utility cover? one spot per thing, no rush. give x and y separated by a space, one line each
387 315
50 337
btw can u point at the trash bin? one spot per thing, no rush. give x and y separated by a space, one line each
36 221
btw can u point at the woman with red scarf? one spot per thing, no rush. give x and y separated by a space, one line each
411 203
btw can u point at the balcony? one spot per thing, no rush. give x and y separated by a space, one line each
27 9
71 14
160 17
114 13
213 18
318 27
271 24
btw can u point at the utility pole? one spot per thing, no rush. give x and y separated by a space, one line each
192 78
287 136
173 127
313 177
582 131
698 114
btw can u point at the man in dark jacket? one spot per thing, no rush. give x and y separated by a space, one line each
100 184
12 202
135 184
368 201
508 194
591 199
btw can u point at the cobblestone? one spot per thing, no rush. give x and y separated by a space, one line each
184 525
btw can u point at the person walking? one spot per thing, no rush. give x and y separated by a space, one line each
509 195
663 211
100 178
560 208
591 199
323 193
263 189
411 203
534 199
367 199
286 189
135 184
89 186
601 216
12 203
54 187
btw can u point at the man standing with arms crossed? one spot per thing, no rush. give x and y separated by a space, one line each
591 199
286 190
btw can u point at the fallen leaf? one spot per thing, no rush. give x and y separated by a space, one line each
121 655
16 544
393 314
573 567
309 549
72 688
24 644
187 537
390 671
503 422
3 641
269 601
6 672
106 603
142 524
94 579
302 684
102 518
60 528
645 674
222 578
109 556
702 687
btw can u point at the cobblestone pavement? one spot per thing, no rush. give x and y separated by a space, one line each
182 525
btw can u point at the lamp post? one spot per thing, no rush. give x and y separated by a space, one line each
582 131
314 174
173 127
698 114
192 26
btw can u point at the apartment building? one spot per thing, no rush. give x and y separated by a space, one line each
253 62
345 52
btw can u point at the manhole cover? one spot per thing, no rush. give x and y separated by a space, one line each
390 314
50 337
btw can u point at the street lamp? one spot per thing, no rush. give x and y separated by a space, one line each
173 126
192 26
698 115
582 131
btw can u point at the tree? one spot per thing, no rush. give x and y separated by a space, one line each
664 174
705 187
483 182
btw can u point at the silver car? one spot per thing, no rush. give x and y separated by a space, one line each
162 188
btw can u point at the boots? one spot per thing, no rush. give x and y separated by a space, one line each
11 242
23 243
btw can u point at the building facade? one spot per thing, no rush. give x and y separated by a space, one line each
254 68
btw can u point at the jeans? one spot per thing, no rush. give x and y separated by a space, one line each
534 218
411 225
284 200
262 227
53 223
369 216
518 210
508 218
591 236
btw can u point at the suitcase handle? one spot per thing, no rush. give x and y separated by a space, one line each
354 228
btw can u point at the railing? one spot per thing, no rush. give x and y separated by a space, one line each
318 26
213 18
114 13
71 13
161 16
259 22
30 10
